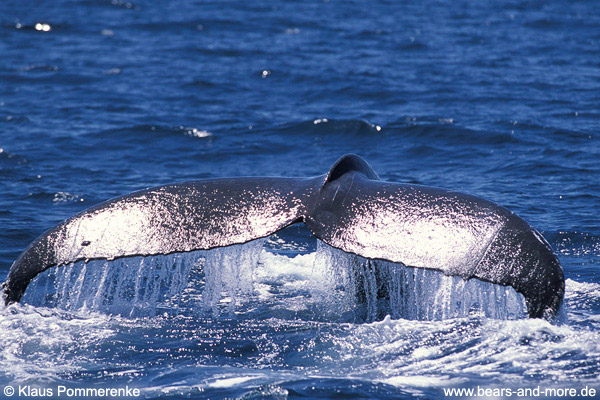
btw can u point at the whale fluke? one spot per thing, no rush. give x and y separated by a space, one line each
348 208
432 228
183 217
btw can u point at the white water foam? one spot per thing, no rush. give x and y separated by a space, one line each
341 285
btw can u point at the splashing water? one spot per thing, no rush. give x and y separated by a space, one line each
130 286
336 284
229 274
372 289
143 286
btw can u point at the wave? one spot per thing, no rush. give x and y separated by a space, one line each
14 118
59 77
325 126
575 244
10 158
135 133
447 131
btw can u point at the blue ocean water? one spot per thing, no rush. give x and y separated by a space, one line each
500 100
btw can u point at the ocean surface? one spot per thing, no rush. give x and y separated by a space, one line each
100 98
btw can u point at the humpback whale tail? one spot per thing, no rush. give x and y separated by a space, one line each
349 208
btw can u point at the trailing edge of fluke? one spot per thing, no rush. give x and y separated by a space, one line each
350 208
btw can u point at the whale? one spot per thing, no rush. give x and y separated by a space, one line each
349 208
